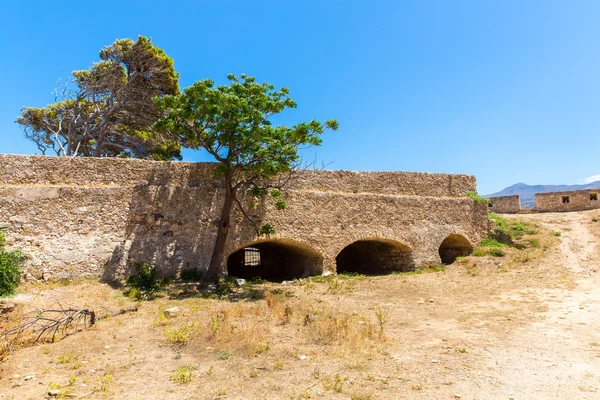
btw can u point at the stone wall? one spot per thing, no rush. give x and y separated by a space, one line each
95 217
574 200
505 204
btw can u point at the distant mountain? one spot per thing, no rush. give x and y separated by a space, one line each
527 192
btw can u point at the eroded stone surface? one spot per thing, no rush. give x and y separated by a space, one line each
94 217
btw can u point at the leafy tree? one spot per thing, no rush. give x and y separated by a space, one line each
232 124
107 109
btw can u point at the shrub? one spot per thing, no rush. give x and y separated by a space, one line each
10 268
184 374
555 233
491 243
496 252
143 282
194 275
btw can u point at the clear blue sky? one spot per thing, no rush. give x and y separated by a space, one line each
506 90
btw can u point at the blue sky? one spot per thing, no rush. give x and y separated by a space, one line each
506 90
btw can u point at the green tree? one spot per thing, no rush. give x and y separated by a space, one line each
231 122
107 110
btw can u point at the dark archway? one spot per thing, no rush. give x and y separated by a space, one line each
454 246
375 256
275 260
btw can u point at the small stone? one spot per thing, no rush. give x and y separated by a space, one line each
302 357
171 312
53 392
420 301
435 361
240 281
457 396
29 377
326 273
431 300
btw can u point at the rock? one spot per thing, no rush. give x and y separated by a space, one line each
457 396
431 300
240 281
29 377
435 361
172 312
53 392
327 273
302 357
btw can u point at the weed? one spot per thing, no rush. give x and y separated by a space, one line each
179 336
334 383
555 233
253 373
184 374
534 242
461 351
496 252
382 315
462 260
223 355
67 358
478 198
278 366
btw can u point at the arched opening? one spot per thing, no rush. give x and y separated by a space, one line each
375 256
274 260
454 246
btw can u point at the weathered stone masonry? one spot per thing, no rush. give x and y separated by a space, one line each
505 204
94 217
574 200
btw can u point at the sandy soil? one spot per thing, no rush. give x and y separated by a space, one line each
523 326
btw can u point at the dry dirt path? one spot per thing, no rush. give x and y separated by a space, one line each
558 356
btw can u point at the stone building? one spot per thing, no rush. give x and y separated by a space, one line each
505 204
95 217
574 200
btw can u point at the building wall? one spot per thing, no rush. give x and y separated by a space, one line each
94 217
505 204
577 200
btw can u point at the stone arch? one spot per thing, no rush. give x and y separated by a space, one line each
374 256
274 260
453 246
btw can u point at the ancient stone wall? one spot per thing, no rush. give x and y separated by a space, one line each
95 217
574 200
505 204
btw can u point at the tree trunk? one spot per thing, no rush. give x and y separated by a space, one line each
217 261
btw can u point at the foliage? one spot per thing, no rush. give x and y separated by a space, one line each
107 109
143 282
184 374
478 198
256 159
194 275
10 268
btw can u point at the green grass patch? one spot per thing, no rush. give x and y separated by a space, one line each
491 243
478 198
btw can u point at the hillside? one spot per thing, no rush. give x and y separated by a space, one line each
527 192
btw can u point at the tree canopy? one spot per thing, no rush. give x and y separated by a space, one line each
107 110
232 123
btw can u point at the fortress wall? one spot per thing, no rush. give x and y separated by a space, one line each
505 204
42 170
573 200
95 217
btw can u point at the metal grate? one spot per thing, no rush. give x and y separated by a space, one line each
251 257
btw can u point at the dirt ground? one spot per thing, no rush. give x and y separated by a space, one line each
522 326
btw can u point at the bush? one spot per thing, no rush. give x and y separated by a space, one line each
194 275
10 268
143 282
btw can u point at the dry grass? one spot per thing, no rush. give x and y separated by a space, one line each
347 337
